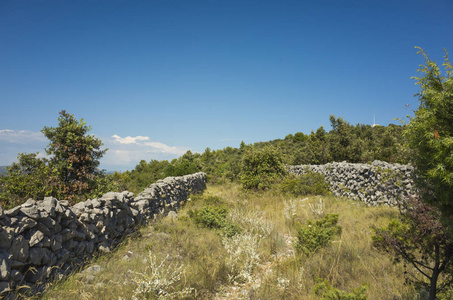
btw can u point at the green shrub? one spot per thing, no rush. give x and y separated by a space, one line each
261 168
317 234
214 217
306 184
327 292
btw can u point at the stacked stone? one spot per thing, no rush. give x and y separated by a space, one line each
43 239
375 184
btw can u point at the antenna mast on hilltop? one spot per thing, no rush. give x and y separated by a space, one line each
374 121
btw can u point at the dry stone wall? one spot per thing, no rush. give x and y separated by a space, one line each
40 240
374 184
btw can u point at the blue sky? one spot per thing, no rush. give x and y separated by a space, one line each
156 78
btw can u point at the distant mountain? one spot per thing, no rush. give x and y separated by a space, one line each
3 170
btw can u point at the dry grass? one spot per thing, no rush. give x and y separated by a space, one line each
261 263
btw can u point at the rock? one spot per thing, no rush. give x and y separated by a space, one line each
13 211
78 208
172 215
88 204
63 255
104 248
20 248
16 275
48 222
4 287
5 239
92 270
80 249
18 265
71 244
56 243
85 218
96 203
112 196
36 238
64 203
31 211
5 265
39 256
23 224
29 203
49 204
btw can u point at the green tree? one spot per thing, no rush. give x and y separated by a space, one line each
74 154
430 136
182 166
422 241
143 175
299 137
261 168
30 177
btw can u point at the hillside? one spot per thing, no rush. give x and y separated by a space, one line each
178 255
343 142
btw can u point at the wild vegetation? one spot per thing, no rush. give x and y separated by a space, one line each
259 233
70 173
345 142
196 256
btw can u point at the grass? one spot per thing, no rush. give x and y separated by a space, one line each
177 258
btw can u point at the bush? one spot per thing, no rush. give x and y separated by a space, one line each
215 217
261 168
318 234
306 184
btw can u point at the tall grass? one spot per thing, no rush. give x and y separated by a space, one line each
259 261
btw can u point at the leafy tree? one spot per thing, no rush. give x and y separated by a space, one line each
74 154
299 137
30 177
142 176
261 168
182 166
430 136
420 240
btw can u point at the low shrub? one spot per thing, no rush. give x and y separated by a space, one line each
306 184
317 234
243 256
214 217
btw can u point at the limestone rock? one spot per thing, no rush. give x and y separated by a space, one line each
36 238
19 248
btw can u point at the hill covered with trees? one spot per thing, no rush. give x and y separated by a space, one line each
343 142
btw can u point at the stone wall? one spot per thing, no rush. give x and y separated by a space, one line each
40 240
374 184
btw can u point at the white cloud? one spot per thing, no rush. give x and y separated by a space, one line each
21 136
162 148
13 142
130 139
125 153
